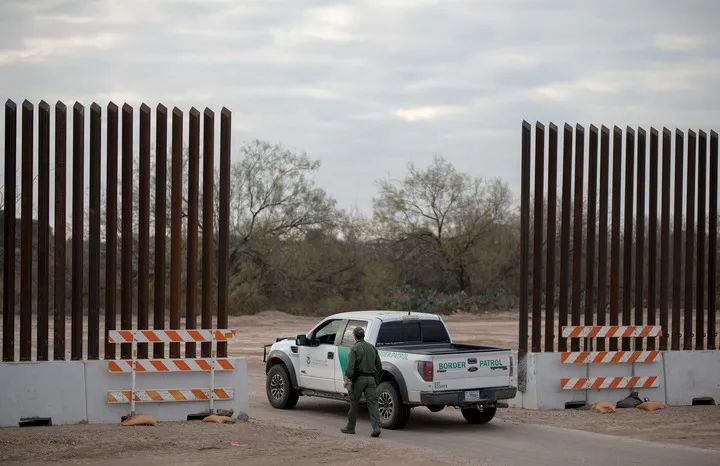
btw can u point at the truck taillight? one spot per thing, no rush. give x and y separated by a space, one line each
511 366
425 369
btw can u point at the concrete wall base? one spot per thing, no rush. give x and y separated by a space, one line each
70 392
683 376
692 374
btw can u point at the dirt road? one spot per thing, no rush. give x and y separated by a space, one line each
502 441
310 432
516 436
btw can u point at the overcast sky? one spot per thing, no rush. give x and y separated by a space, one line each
368 87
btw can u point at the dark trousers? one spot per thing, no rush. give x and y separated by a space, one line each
363 385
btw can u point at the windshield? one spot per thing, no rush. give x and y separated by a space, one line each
412 332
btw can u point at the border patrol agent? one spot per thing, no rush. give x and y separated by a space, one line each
362 368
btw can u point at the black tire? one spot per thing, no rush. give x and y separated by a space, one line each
278 388
475 416
435 408
393 413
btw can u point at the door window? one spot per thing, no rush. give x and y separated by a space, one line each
326 333
348 338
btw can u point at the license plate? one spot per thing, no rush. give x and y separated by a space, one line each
473 395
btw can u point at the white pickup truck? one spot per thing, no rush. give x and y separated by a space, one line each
421 366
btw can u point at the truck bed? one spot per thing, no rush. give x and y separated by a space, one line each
440 348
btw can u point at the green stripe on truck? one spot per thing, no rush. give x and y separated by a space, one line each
343 355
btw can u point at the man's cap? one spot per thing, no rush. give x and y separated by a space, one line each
359 333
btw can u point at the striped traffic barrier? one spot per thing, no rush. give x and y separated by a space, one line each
165 395
608 357
135 366
599 383
611 331
171 365
169 336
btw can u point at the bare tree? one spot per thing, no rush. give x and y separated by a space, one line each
436 216
273 193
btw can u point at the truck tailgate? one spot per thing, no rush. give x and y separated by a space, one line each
471 370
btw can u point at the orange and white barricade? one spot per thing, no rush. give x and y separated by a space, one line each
136 366
609 357
611 331
598 383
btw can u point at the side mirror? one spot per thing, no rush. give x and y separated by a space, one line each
301 340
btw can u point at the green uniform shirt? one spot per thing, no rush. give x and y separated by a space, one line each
363 360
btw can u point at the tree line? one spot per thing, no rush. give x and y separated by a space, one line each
437 239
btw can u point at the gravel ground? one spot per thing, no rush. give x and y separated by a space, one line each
692 426
251 442
272 440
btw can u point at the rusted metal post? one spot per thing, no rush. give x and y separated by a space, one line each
26 233
208 229
689 243
677 240
700 274
126 257
640 234
652 233
43 235
603 231
94 245
78 231
524 236
192 227
9 232
538 237
60 230
143 227
563 306
224 226
577 231
615 234
176 226
712 242
591 217
551 240
628 235
111 228
665 239
160 223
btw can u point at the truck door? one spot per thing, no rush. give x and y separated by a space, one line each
317 361
346 342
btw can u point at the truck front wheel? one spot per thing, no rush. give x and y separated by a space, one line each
475 416
393 413
279 389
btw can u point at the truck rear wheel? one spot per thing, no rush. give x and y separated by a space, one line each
279 389
475 416
393 413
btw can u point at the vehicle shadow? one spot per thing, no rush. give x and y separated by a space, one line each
421 419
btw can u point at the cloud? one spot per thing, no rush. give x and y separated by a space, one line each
329 23
45 48
678 42
367 86
427 113
69 19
